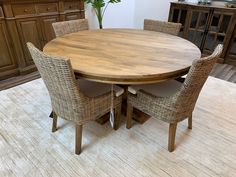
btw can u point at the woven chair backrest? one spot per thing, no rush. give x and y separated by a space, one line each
72 26
60 81
161 26
196 78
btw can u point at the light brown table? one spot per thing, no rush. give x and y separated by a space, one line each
125 56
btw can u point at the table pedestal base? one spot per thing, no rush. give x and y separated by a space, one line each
102 120
138 116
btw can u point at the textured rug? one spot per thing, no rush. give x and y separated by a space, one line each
28 148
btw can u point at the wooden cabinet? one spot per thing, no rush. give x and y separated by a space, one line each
8 64
24 21
47 8
72 16
205 26
23 10
29 31
74 9
47 30
231 52
220 30
198 24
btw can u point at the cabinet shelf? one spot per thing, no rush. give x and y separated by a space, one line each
207 26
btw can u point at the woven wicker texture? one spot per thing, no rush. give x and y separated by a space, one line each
180 105
67 100
160 26
72 26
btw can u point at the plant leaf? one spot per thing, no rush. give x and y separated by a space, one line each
98 4
114 1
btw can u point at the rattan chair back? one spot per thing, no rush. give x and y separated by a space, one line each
195 80
60 81
160 26
72 26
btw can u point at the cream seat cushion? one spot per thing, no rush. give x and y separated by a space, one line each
162 89
95 89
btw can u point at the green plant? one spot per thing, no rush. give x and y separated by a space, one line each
100 7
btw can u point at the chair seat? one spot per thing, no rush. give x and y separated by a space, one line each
162 89
95 89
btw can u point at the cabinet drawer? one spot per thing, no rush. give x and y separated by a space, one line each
72 5
72 16
1 13
47 8
23 9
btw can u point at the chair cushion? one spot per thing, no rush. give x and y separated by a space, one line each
95 89
161 89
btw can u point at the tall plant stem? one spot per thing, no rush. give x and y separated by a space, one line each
100 17
105 9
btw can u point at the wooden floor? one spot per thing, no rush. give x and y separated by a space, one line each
17 80
225 72
28 148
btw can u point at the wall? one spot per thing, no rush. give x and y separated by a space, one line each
131 13
152 9
119 15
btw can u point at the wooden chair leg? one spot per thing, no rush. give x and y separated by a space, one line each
172 132
78 138
129 116
117 117
190 122
54 122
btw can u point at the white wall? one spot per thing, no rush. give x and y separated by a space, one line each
120 15
131 13
151 9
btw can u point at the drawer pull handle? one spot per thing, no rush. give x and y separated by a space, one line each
48 9
70 6
25 10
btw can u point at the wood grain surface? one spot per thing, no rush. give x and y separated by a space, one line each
125 56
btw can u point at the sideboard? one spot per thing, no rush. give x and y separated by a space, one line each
23 21
207 26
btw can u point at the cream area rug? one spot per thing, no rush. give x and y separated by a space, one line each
28 148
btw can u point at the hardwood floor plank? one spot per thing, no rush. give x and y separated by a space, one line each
233 78
225 72
229 75
219 69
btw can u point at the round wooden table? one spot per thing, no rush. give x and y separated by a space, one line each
125 56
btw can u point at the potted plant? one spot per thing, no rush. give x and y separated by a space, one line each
100 7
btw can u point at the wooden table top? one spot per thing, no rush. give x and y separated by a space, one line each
125 56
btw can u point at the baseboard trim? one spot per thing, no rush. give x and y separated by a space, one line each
14 81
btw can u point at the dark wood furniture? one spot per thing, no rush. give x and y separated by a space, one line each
24 21
207 26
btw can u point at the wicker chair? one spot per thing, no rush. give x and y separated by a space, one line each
72 26
172 101
77 101
160 26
